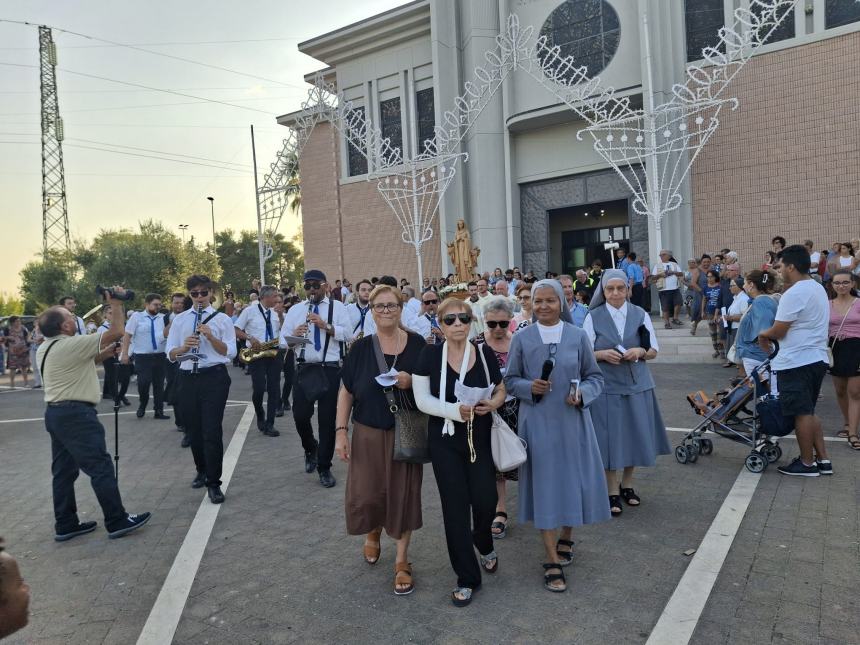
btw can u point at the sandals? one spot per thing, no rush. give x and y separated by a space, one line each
403 578
630 497
549 578
564 557
372 550
675 321
499 529
490 562
854 442
615 505
667 326
466 592
843 434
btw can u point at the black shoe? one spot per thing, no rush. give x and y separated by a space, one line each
199 481
129 524
280 411
310 461
824 467
125 402
327 479
141 411
270 431
287 406
161 415
80 529
180 429
261 424
215 495
798 469
186 441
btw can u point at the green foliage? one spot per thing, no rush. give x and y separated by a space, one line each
46 280
10 305
238 256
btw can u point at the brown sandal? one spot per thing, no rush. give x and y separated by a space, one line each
372 550
854 442
403 578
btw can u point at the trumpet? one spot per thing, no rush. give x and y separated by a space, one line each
263 350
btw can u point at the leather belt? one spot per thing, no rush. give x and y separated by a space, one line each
203 370
70 404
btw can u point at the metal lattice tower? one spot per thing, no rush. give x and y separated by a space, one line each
55 216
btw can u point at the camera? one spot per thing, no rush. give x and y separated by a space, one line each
106 292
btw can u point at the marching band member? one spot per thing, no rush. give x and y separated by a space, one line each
144 337
326 325
426 324
204 332
178 304
256 325
68 302
361 321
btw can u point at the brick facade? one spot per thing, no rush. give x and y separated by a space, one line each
787 162
349 230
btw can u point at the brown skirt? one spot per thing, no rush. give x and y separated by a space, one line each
379 490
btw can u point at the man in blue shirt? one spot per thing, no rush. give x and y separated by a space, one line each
578 311
636 280
622 260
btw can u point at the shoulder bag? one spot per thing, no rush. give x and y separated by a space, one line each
509 450
835 339
312 377
410 426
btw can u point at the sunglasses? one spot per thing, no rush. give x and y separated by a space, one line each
385 306
464 318
431 302
312 285
502 324
202 293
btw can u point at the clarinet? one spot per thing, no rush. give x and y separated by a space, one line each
301 357
195 351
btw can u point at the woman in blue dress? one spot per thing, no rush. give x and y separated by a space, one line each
562 483
626 415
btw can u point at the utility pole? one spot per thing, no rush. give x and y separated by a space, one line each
212 204
55 216
260 249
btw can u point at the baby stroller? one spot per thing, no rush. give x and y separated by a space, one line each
729 415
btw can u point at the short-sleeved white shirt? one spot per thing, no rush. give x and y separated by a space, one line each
143 329
805 305
252 321
670 281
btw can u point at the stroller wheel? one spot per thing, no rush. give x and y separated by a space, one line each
681 454
755 462
772 452
692 453
707 447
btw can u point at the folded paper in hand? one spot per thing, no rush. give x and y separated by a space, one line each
389 379
471 396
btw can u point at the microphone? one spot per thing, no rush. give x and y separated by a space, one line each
546 370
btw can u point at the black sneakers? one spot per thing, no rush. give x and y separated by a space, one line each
80 529
798 469
129 524
825 467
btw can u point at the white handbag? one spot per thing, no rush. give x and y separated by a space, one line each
509 450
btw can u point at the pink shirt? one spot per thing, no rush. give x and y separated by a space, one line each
851 328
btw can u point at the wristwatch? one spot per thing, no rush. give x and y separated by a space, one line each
329 329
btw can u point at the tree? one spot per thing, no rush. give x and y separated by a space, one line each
46 280
10 305
238 256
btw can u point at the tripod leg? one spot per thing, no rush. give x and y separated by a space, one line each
116 403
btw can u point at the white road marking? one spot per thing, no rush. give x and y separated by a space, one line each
103 414
681 614
167 611
711 434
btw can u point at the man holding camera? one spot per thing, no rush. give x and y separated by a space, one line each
203 342
256 325
144 338
68 363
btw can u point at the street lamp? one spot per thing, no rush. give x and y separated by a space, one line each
183 228
212 208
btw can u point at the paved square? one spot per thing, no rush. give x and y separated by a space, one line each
279 568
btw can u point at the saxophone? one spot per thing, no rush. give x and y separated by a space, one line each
263 350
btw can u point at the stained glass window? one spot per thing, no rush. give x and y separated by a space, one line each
357 157
588 30
841 12
390 122
703 20
786 27
426 118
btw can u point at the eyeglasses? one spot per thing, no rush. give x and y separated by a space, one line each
312 285
379 307
528 297
431 302
502 324
464 318
202 293
841 284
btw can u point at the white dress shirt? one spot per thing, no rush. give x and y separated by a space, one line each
183 326
354 313
141 327
297 316
619 317
80 326
252 321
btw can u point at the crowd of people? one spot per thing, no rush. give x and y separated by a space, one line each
562 361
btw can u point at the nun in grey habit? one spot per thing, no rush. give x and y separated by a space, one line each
626 416
562 483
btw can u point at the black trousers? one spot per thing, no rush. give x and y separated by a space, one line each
150 371
172 391
637 295
115 374
204 397
303 412
468 494
78 443
266 379
289 376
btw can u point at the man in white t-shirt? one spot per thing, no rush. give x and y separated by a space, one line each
667 273
801 327
814 257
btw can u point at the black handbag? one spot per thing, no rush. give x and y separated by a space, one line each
410 426
312 377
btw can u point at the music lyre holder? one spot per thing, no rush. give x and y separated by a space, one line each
190 356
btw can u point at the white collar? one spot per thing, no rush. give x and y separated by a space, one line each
622 310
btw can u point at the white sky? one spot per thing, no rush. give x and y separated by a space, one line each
107 190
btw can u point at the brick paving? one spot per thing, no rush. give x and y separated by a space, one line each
279 567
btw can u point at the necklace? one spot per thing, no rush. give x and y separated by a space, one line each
397 349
